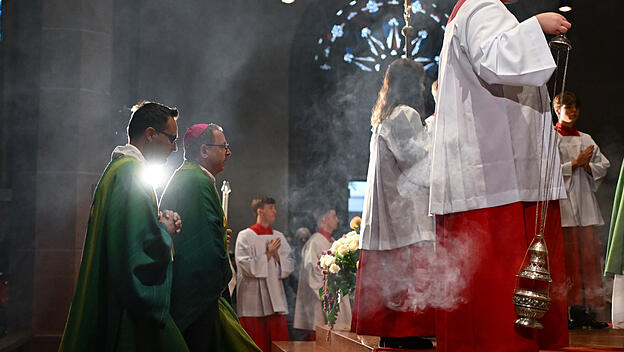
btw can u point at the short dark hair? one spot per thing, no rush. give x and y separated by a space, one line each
566 99
207 137
260 202
148 114
320 213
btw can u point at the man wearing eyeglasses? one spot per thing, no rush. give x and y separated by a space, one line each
201 271
122 295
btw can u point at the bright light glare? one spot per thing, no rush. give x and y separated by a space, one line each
154 175
288 1
565 8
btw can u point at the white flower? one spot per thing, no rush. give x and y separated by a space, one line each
334 269
354 244
330 260
334 247
342 250
327 260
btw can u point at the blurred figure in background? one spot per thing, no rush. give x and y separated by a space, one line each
308 311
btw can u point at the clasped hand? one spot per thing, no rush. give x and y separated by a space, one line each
273 247
171 220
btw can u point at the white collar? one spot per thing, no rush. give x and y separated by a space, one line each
127 150
212 178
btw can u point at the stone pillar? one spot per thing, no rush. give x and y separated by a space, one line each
72 150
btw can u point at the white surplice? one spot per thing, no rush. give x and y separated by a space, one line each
395 210
308 310
581 208
260 291
493 125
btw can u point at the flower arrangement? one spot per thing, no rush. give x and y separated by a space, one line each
339 266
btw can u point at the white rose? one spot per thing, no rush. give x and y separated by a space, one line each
323 262
334 247
334 269
353 245
330 260
342 250
351 234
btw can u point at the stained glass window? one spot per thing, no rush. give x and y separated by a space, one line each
367 35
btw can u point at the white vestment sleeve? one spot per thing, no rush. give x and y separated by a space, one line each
287 264
566 169
503 51
599 166
249 262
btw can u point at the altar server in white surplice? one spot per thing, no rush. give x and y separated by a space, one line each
309 311
584 168
397 232
263 260
493 139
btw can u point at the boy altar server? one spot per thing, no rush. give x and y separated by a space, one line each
263 261
584 167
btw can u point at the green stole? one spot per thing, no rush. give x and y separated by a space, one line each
614 264
122 296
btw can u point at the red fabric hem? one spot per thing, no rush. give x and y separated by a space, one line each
381 279
264 330
499 237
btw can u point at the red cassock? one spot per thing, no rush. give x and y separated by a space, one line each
582 258
264 330
371 314
485 321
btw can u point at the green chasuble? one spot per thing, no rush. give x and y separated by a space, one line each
201 269
229 334
123 291
614 265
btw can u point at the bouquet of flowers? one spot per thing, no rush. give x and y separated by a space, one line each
339 266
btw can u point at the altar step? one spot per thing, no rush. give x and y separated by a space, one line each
333 341
345 341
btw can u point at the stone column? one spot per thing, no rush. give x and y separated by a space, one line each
72 150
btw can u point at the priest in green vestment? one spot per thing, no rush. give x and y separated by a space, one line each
123 292
614 264
201 270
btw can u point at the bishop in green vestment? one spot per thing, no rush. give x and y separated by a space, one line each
201 270
122 296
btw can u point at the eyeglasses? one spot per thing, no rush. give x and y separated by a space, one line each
172 138
225 146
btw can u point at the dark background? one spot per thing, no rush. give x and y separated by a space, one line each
72 69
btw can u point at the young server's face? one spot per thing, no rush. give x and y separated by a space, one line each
568 114
267 213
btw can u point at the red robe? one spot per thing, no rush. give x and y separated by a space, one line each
485 321
371 312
